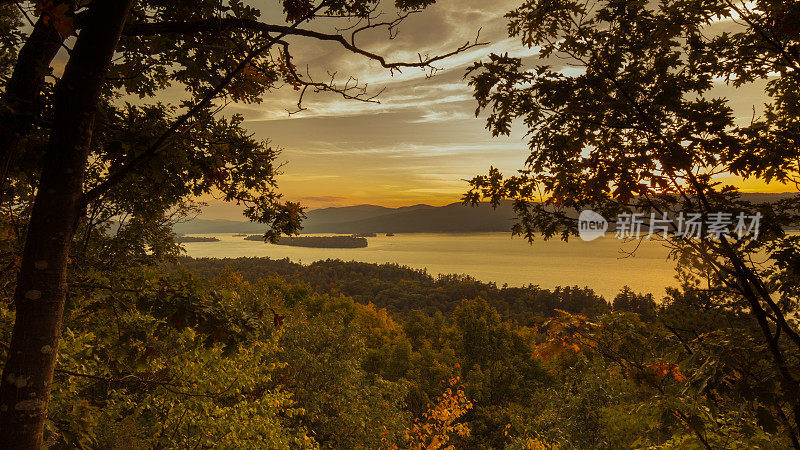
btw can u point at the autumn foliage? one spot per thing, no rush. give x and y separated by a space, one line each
442 422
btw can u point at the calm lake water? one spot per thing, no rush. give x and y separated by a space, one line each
601 265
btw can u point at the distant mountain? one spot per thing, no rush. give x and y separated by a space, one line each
352 213
346 213
205 226
759 197
453 218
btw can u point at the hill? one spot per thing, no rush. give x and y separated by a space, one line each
359 212
204 226
453 218
361 219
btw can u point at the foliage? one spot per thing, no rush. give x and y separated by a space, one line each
402 290
635 126
131 372
10 22
173 357
440 422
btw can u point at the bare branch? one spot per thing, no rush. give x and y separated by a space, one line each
233 24
351 90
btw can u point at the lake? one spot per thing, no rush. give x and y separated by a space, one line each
601 264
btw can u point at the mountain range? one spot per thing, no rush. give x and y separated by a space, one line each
452 218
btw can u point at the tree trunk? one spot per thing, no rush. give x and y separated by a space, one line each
20 104
41 284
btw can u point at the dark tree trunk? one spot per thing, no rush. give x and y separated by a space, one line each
20 104
41 284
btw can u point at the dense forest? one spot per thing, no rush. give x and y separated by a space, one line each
109 339
400 289
258 353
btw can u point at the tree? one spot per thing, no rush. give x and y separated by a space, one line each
636 128
441 421
641 304
40 290
82 158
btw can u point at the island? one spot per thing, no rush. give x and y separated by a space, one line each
317 241
185 239
365 235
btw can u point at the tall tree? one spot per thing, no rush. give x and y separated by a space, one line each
100 155
21 99
40 291
635 126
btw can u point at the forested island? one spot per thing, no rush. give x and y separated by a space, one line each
317 241
185 239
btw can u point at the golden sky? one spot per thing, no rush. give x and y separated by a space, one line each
422 140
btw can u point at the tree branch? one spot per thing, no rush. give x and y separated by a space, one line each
234 24
116 177
231 24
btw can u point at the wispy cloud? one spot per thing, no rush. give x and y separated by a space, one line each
306 177
324 198
422 139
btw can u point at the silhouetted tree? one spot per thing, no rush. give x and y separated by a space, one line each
635 126
82 158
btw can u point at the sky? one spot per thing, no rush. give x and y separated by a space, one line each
422 140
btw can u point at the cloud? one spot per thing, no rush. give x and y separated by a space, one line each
442 116
439 29
324 198
409 150
422 139
306 177
343 107
438 190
